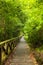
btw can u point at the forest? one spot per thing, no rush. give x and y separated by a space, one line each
22 17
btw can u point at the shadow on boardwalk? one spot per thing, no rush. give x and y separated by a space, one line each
21 55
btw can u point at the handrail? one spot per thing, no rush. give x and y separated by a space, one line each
1 43
7 45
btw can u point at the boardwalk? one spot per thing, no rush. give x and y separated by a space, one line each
21 55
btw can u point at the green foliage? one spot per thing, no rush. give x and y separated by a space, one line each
33 29
10 23
34 33
16 14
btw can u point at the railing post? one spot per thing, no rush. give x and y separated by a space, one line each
0 55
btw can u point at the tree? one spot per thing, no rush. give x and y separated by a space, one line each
10 23
33 30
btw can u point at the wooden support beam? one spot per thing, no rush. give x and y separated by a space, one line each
5 51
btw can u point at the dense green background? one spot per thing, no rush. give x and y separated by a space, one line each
33 29
25 16
11 21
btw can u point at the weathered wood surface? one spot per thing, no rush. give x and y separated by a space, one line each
21 55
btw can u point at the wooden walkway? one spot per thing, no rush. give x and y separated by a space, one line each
21 55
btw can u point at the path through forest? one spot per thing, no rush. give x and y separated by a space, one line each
21 55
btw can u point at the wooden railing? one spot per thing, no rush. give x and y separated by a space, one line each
6 48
